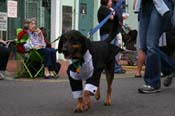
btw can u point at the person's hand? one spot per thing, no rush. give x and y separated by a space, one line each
3 42
125 16
38 31
39 47
111 8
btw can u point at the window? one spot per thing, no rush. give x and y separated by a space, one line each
67 18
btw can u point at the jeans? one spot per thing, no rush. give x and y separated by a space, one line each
118 67
150 29
49 56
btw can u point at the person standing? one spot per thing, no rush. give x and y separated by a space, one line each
118 41
140 53
104 10
4 55
152 15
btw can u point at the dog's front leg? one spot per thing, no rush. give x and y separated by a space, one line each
86 96
97 95
108 101
80 105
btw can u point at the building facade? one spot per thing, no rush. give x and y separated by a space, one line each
59 16
40 9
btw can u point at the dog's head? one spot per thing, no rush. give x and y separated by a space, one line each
72 44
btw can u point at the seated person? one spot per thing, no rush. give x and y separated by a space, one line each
36 40
48 45
4 55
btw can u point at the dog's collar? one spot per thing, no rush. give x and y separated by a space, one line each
78 62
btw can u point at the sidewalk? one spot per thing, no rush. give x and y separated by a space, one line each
130 70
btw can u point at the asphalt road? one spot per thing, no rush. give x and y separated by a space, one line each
53 98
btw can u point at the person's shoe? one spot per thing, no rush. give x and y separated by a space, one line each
138 76
54 75
119 71
169 79
1 76
149 89
7 75
47 76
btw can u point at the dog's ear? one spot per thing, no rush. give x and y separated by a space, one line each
60 44
85 43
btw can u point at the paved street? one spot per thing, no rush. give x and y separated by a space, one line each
53 98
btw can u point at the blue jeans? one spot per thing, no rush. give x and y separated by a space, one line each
49 57
150 29
118 67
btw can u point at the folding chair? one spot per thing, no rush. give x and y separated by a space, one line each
28 59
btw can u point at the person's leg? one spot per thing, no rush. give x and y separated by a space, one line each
140 56
144 16
167 69
54 66
149 32
45 54
53 58
4 55
118 67
153 60
140 62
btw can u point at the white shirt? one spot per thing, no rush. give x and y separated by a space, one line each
86 70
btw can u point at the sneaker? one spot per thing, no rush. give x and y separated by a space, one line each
7 75
1 76
149 89
119 71
169 79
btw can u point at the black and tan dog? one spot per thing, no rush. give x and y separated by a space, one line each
89 59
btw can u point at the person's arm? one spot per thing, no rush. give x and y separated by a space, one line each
113 14
103 13
40 34
28 45
3 42
136 5
161 7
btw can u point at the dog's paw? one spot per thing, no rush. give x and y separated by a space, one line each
97 96
79 108
108 102
87 107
